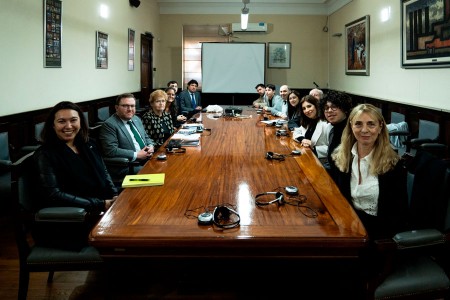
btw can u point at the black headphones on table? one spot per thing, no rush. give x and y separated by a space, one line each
175 150
279 199
274 156
225 217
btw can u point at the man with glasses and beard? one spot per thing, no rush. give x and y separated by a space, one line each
123 135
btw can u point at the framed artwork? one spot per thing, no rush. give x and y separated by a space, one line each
424 34
357 46
52 33
131 35
101 53
279 55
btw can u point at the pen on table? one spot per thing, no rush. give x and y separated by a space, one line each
140 179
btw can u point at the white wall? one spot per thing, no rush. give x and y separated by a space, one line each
317 56
387 80
26 85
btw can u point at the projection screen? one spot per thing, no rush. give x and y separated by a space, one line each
232 67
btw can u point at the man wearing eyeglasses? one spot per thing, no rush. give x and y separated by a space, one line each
123 135
336 107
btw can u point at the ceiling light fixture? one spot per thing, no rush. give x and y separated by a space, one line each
244 15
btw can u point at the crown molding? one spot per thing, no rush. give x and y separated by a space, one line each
261 7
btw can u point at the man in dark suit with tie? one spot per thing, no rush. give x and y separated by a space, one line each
190 100
123 135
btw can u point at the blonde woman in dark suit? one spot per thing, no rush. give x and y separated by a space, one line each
372 176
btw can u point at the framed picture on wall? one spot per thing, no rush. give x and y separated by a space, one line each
425 41
131 35
101 53
279 55
52 33
357 54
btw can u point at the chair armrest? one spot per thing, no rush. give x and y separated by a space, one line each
61 214
433 146
399 133
5 165
116 161
28 149
419 238
414 143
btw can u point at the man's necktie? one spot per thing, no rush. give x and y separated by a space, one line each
193 101
136 135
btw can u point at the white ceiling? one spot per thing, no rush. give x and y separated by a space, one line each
263 7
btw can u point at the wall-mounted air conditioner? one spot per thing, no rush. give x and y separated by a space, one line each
252 27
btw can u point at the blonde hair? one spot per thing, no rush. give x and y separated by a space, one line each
384 158
156 94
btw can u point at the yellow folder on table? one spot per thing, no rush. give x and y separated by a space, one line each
139 180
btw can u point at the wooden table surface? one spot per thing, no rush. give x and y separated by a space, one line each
229 167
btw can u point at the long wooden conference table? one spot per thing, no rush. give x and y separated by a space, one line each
230 167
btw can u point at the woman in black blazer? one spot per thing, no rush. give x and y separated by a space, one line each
371 174
71 169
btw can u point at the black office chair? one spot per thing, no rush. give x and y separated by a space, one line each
38 127
50 250
427 139
5 169
103 114
398 132
114 163
416 261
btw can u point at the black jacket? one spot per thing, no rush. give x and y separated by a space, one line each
70 179
392 202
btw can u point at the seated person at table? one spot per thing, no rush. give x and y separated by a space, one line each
261 101
190 100
174 84
272 99
173 109
70 166
158 122
294 110
123 135
316 93
281 107
336 107
371 174
313 132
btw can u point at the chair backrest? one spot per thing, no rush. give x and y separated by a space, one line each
4 146
397 117
103 113
38 127
429 191
24 183
428 130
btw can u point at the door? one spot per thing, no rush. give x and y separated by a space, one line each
146 67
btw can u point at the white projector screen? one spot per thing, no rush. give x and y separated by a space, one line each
232 67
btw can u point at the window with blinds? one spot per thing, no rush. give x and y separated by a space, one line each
193 37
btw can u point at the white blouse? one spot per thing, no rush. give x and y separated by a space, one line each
364 195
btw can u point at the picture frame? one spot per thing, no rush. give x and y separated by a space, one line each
131 49
357 47
101 53
424 44
52 33
279 55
